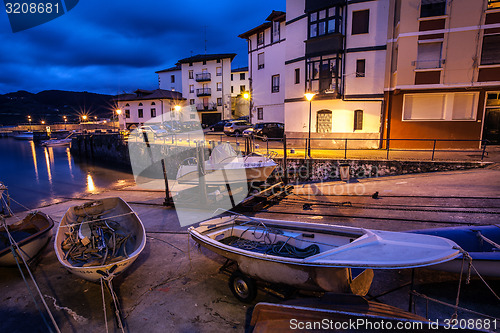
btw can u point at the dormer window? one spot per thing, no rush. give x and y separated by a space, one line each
275 31
260 38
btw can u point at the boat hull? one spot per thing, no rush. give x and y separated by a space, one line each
126 218
327 268
32 234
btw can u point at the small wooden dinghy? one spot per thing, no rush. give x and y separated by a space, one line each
31 235
99 238
482 243
314 256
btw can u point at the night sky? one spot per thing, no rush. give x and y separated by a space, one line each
114 46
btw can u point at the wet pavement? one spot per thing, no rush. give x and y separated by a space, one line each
175 287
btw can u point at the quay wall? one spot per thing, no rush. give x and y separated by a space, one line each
113 149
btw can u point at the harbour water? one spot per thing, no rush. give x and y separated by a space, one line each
38 176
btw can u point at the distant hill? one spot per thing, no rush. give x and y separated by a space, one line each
52 105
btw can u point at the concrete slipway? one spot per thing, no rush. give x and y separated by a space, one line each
176 287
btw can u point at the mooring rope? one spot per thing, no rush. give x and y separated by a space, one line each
15 246
108 277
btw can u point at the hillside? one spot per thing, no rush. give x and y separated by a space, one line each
52 105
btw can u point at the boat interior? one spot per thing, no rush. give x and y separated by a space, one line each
23 231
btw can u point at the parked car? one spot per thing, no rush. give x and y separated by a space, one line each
236 127
152 130
266 131
218 127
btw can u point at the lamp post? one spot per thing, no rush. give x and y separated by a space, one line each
118 113
65 121
177 109
309 97
29 119
248 97
84 118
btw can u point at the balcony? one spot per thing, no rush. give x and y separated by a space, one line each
206 107
204 92
428 64
203 77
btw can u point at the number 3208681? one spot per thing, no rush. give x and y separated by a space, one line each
31 8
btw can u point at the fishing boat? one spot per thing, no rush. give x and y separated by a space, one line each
225 166
58 142
99 238
31 235
314 256
482 243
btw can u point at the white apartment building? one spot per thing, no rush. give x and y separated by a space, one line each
266 60
158 105
239 86
335 49
206 85
170 79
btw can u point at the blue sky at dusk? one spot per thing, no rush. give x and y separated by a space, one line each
114 45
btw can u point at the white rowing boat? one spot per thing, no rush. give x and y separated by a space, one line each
99 238
315 256
225 166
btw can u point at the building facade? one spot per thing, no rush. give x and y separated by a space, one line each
170 79
152 106
206 85
444 81
240 106
337 51
266 59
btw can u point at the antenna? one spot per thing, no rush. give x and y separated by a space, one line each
205 27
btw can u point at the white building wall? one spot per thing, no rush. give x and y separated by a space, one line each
162 106
236 82
165 80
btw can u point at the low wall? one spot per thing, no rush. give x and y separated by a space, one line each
112 149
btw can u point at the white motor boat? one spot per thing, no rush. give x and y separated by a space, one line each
24 136
57 142
314 256
225 166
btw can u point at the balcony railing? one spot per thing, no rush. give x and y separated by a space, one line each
204 92
428 64
203 77
206 107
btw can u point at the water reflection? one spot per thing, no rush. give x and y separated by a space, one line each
90 183
47 162
33 154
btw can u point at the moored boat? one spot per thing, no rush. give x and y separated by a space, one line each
57 142
99 238
482 244
31 234
24 136
315 256
225 166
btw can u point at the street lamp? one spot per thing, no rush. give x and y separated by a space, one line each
118 113
65 121
29 119
309 97
247 96
177 108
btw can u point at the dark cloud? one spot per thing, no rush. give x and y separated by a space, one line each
113 46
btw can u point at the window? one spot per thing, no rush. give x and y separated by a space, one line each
191 101
260 60
360 22
260 113
204 62
242 88
275 31
242 76
192 116
172 78
275 83
127 113
191 88
219 101
490 53
323 22
191 75
219 86
218 61
324 121
322 74
190 64
440 106
260 38
153 103
360 68
140 113
218 71
493 4
140 104
429 55
432 8
153 112
231 77
297 75
358 120
232 90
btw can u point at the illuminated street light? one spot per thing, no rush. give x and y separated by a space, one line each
65 121
309 97
29 119
177 108
118 113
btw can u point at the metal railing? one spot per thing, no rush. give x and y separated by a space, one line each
204 92
203 77
208 107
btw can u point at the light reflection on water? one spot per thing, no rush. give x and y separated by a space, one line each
37 175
